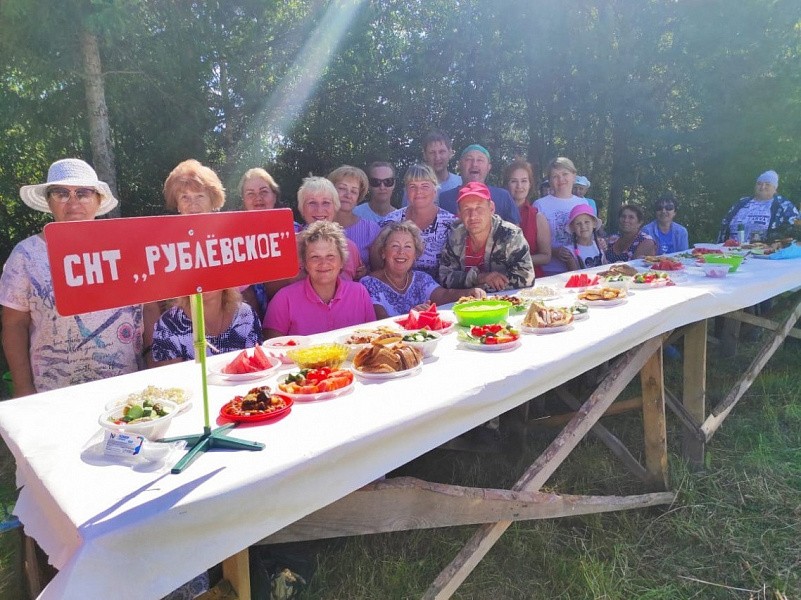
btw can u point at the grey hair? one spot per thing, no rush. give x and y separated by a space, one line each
324 231
403 227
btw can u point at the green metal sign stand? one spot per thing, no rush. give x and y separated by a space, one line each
209 439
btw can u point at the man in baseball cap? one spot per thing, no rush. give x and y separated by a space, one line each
483 250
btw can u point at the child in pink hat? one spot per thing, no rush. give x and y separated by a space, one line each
587 247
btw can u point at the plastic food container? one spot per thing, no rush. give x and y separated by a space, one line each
319 355
427 347
732 260
715 270
482 312
279 346
151 430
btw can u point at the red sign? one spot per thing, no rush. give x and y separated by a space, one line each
117 262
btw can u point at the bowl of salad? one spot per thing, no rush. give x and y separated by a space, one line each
424 340
147 418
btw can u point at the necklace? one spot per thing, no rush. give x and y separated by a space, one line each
399 288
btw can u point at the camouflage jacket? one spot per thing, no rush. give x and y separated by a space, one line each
507 252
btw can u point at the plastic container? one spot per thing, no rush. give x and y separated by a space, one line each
715 270
733 260
319 355
151 430
279 346
482 312
427 347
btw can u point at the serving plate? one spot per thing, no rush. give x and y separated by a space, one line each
606 303
225 412
216 369
547 330
386 376
318 396
182 406
491 347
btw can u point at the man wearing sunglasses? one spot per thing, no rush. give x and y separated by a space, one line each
669 236
381 183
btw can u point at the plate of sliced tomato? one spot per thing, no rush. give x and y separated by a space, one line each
311 385
490 338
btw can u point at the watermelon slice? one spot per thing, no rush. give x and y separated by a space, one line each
260 359
239 365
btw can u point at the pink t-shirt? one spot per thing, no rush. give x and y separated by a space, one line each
298 310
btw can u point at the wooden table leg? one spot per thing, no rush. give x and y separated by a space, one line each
694 391
653 419
236 569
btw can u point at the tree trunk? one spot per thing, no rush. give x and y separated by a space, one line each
99 129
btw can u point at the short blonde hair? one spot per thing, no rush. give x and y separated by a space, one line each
421 172
191 175
561 162
402 227
356 173
261 174
315 185
323 231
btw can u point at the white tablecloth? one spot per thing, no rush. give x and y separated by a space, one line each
141 534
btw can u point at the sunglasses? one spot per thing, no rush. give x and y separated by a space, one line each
84 195
666 207
388 182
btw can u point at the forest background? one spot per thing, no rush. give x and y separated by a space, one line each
646 96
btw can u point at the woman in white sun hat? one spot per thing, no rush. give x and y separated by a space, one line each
44 350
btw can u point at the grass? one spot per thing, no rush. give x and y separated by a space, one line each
733 533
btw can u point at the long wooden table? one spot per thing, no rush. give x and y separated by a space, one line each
94 520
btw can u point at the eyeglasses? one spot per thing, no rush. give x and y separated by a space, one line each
83 195
666 207
388 182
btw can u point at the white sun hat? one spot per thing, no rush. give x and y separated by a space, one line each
68 171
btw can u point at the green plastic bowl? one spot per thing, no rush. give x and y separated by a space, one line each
482 312
733 260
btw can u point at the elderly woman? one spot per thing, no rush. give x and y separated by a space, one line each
668 235
556 207
230 325
44 350
518 178
323 300
484 250
381 177
762 214
630 242
434 222
192 188
258 190
396 288
351 186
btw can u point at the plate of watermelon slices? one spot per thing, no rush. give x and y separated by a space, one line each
430 318
250 364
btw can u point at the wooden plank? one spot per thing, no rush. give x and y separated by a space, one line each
653 421
722 410
745 317
405 503
694 392
681 413
236 570
618 407
607 437
624 370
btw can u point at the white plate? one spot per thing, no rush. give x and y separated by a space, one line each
491 347
216 367
394 375
708 246
547 330
444 315
182 406
659 283
314 397
277 346
540 292
581 316
606 303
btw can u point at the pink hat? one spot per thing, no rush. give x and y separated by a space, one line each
474 189
582 209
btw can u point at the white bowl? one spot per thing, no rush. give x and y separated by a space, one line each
151 430
427 347
277 346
